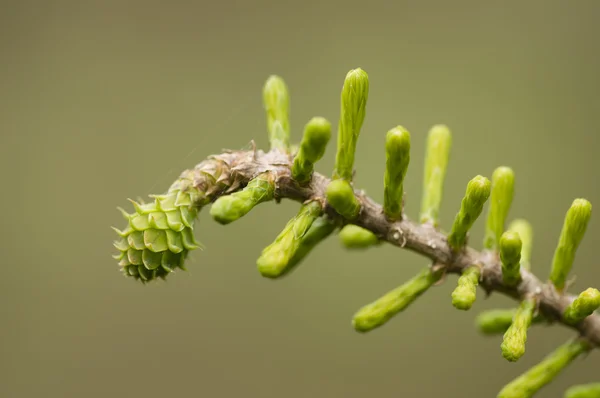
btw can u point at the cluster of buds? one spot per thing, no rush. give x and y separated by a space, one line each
159 235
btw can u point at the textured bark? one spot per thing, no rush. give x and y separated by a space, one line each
239 167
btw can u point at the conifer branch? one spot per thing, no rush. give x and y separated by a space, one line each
241 167
159 235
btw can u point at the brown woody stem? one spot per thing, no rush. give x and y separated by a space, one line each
237 168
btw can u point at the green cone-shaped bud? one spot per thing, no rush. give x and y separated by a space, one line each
276 100
229 208
523 228
158 235
584 391
439 142
583 306
503 182
574 228
355 94
510 255
340 196
379 312
355 237
318 231
464 295
529 383
397 150
275 258
478 192
499 320
513 345
317 133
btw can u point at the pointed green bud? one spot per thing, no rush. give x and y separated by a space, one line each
584 391
464 295
574 228
499 320
523 228
355 237
340 196
317 133
513 345
355 93
439 142
478 192
529 383
397 150
318 231
583 306
276 100
510 255
379 312
276 257
229 208
503 183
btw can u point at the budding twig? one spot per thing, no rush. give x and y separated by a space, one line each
312 148
276 100
574 228
523 228
526 385
340 196
275 258
583 306
513 344
464 295
397 149
355 94
439 142
584 391
355 237
382 310
510 255
478 192
503 181
498 321
229 208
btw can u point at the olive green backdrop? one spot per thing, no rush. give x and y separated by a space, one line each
105 100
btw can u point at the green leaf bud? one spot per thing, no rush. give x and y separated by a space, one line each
478 192
276 100
503 183
355 94
523 228
317 133
340 196
275 258
583 306
355 237
499 320
510 255
574 228
495 321
591 390
513 344
529 383
464 295
229 208
397 149
318 231
382 310
439 142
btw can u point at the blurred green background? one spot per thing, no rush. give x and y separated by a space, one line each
105 100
